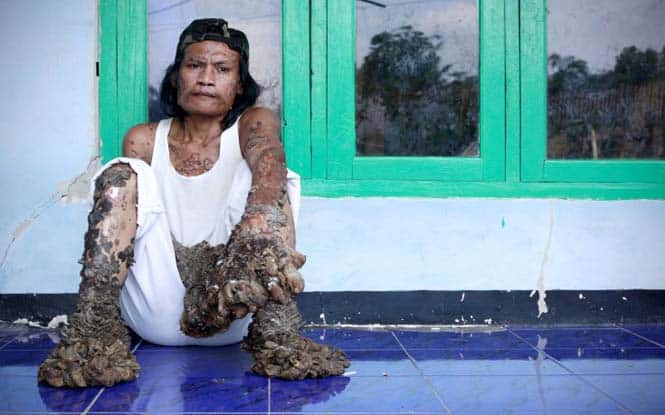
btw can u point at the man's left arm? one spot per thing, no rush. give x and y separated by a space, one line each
261 260
261 147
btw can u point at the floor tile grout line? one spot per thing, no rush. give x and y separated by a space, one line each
9 341
38 413
588 348
641 337
577 375
269 395
353 413
422 375
321 412
94 400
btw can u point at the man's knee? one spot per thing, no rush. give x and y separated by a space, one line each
116 179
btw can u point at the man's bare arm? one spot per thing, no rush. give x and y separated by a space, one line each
262 244
261 147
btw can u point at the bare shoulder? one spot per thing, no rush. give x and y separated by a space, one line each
258 118
257 128
139 141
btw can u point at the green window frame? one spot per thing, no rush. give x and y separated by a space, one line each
342 162
535 165
319 116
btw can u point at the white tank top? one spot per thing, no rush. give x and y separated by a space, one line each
196 206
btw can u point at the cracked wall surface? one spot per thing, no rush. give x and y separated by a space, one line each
540 288
50 140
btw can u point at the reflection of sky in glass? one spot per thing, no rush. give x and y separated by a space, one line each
456 21
597 30
259 19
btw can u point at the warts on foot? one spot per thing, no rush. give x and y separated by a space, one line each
95 346
280 351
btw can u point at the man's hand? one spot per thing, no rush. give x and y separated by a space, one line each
259 264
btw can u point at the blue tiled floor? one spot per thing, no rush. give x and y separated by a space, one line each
511 370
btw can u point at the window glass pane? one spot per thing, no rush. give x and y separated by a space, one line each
417 77
606 79
259 19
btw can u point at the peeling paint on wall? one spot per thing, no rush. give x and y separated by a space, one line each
77 190
542 294
21 228
74 190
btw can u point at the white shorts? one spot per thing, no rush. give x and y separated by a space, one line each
152 299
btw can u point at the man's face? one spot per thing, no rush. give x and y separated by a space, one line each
209 78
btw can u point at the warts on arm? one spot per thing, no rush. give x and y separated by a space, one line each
264 153
139 142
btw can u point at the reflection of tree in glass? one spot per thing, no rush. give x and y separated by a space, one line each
155 112
408 104
616 114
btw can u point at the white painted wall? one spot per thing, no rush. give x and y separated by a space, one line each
48 130
379 244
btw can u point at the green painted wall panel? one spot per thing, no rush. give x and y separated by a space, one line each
492 89
418 168
123 80
341 88
512 34
417 188
533 67
319 52
133 64
604 171
108 80
296 90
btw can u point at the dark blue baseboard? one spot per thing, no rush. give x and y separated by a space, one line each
421 307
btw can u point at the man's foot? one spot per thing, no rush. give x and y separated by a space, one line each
89 362
95 346
280 351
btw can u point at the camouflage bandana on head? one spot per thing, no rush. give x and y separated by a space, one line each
213 29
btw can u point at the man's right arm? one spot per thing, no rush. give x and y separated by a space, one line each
139 142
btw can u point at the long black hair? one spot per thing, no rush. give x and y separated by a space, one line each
168 93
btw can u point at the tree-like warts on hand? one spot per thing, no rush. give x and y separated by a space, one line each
197 265
258 264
